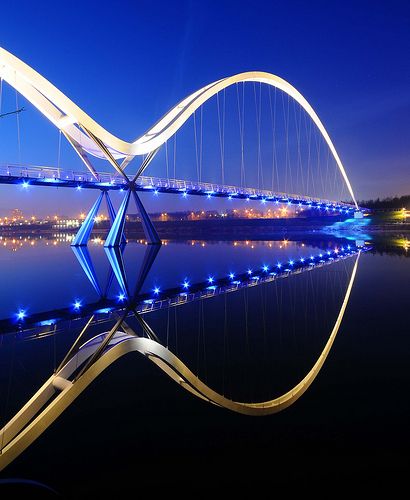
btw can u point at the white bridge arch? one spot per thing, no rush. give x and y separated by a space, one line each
87 136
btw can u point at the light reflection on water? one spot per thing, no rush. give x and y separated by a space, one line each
52 268
249 345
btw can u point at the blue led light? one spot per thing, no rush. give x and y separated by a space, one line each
320 255
156 192
291 262
302 260
279 265
247 199
77 304
185 284
311 257
328 252
249 271
121 297
121 190
208 196
184 194
230 197
232 276
263 200
210 279
21 314
277 202
156 290
25 184
265 268
78 188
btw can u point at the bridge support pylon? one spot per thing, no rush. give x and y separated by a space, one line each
83 235
116 234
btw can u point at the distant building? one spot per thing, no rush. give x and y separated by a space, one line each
67 223
16 214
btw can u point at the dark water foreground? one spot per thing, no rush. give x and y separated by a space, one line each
135 427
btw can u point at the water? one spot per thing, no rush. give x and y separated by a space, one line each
255 343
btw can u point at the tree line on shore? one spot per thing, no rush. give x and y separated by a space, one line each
389 203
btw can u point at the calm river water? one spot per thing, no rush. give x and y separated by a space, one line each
271 307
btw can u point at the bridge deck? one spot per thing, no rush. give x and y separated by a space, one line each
51 176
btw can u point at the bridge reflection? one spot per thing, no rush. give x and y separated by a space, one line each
87 358
146 302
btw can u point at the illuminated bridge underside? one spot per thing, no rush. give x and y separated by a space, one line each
47 176
87 136
62 390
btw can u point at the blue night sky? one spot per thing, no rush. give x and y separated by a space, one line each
127 62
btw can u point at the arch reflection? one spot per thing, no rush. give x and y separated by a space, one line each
85 360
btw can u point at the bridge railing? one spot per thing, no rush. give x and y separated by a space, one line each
215 188
56 175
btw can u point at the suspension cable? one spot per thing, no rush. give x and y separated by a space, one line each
167 160
241 116
221 128
196 147
59 152
18 130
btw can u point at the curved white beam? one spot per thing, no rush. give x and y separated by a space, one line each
73 121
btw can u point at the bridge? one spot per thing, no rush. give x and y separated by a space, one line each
90 139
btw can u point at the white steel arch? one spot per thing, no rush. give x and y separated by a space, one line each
89 136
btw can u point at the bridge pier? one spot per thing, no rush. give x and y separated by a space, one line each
358 215
83 235
116 233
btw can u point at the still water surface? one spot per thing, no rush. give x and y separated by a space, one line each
252 344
